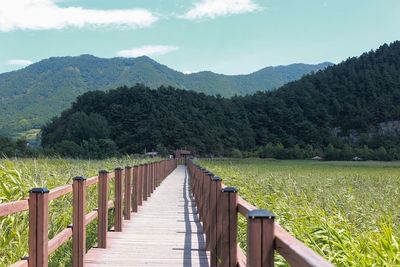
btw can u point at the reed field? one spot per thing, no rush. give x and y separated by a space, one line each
18 176
349 212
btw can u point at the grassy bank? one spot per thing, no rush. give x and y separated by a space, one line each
349 212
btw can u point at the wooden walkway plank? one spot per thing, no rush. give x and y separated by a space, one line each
164 232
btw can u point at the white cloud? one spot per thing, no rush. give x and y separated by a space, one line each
45 14
19 62
216 8
148 50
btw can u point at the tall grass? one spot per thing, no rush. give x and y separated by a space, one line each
349 212
18 176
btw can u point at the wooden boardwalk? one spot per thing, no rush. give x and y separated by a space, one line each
165 232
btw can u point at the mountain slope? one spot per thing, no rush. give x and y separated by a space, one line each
29 97
339 106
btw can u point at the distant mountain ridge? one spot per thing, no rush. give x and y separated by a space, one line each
347 110
31 96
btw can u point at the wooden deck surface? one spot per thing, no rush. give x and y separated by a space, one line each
165 232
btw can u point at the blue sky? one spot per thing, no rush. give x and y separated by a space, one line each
224 36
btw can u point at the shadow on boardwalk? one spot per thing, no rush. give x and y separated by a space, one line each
190 208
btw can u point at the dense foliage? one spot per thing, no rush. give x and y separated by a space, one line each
346 211
321 113
31 96
341 112
9 147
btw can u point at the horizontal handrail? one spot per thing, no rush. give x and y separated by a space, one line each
60 191
244 207
92 181
59 239
13 207
21 263
10 208
91 216
295 252
145 177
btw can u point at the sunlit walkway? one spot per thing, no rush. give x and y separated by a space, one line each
165 232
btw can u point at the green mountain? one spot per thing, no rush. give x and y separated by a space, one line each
354 104
31 96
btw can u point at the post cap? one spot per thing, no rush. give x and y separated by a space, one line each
229 189
210 174
79 178
128 167
118 169
103 171
39 190
259 214
216 178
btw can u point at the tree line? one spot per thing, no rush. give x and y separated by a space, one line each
334 113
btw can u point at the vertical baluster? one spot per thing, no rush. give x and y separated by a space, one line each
260 238
208 210
102 209
215 216
228 245
78 221
128 192
38 227
145 186
118 200
135 183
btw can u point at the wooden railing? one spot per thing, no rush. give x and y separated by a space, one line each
132 186
218 208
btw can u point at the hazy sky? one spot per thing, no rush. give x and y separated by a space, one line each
225 36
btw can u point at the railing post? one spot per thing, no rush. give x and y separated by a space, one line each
159 173
145 181
215 220
128 193
195 187
118 200
154 176
102 209
228 210
202 197
207 215
38 227
260 238
78 221
148 177
140 183
198 189
151 178
157 177
135 183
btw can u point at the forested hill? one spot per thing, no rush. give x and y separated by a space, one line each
347 104
31 96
